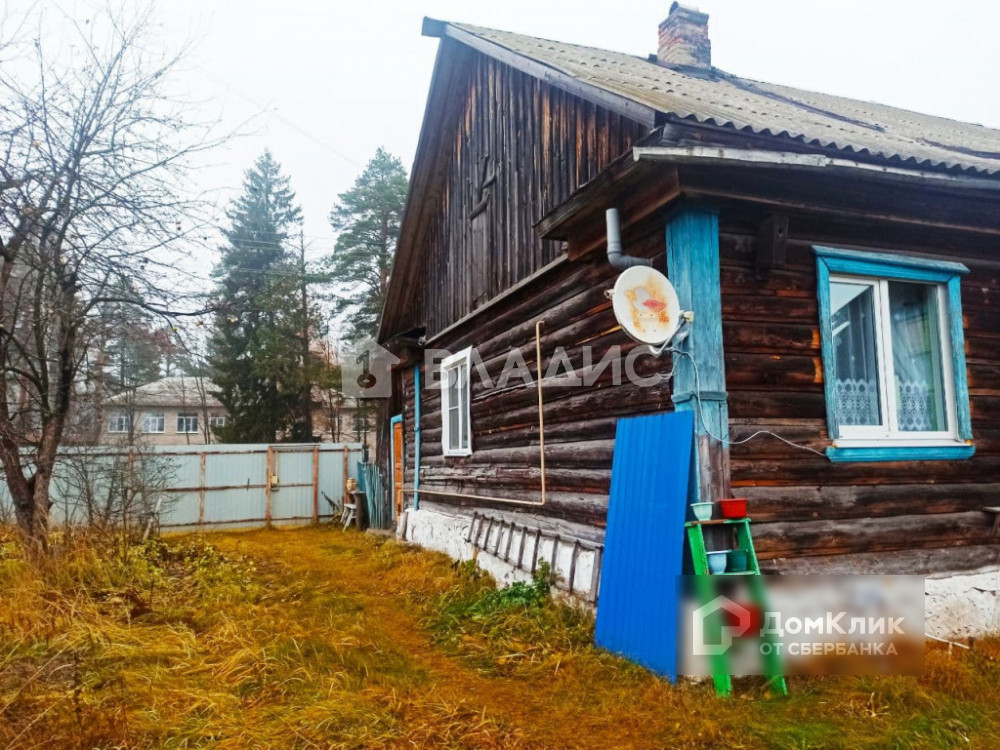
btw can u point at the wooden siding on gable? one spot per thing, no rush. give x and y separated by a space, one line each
520 148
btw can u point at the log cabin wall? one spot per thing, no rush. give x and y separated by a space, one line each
812 515
519 148
579 421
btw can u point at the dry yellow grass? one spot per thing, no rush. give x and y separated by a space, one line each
321 638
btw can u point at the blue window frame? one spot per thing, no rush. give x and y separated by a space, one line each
893 357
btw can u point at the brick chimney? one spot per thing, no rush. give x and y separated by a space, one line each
684 42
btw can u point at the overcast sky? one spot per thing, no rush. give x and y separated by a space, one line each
329 82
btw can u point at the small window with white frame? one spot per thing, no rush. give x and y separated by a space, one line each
187 423
455 395
154 423
893 358
216 421
119 422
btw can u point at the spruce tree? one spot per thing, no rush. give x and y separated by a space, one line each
367 219
256 356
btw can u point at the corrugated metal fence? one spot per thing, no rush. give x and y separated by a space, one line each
214 485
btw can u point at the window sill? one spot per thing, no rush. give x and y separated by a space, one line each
948 452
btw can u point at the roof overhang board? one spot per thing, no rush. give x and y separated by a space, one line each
449 67
744 157
622 105
636 189
636 194
650 177
857 195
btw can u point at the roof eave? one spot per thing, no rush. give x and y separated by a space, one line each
655 174
691 154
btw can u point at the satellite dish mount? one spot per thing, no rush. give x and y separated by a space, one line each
643 299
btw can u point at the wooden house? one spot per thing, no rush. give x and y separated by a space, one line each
840 259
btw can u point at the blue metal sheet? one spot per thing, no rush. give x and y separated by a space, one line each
643 544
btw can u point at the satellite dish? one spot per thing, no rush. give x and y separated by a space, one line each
646 305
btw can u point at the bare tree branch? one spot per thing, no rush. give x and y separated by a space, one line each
95 156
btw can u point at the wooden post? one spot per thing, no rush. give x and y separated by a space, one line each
267 487
315 484
201 491
700 377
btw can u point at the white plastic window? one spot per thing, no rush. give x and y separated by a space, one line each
892 361
119 422
187 423
455 394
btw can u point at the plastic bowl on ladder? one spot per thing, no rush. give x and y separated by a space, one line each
717 562
702 511
733 508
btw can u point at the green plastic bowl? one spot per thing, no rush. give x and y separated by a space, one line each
737 561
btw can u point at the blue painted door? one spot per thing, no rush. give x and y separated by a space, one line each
643 544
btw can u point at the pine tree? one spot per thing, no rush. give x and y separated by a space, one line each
367 218
256 355
135 355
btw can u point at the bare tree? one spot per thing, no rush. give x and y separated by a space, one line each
117 490
94 151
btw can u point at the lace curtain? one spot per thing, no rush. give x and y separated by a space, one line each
857 404
857 401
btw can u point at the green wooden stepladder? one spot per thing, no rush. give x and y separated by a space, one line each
740 529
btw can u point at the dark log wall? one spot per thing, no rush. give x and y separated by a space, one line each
811 514
520 147
579 421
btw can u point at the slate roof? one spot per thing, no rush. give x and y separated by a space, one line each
909 139
171 391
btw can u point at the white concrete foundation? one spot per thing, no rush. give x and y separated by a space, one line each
446 532
958 606
963 606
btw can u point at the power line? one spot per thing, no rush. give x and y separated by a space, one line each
290 123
